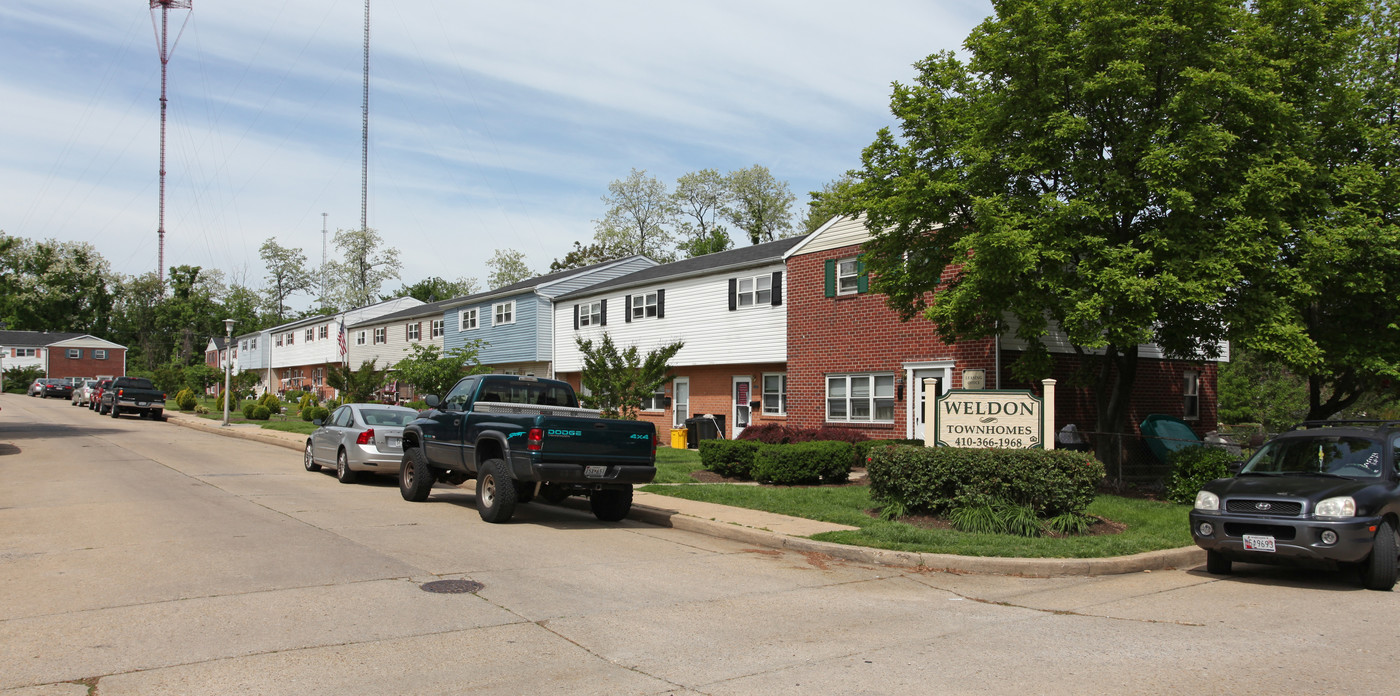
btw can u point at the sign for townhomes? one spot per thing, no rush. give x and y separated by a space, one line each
1010 419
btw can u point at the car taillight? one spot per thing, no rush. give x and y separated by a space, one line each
365 437
535 441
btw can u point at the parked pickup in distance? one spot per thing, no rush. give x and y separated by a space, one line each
520 437
133 395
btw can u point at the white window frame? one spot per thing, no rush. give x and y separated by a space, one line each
99 354
253 344
468 319
437 328
851 403
413 332
311 334
780 394
848 276
1191 396
503 313
657 402
324 332
755 291
73 353
644 305
381 335
360 337
291 338
590 313
277 341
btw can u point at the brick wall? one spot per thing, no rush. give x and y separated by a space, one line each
60 365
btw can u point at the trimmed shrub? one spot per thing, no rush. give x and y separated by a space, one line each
803 463
185 400
200 410
248 409
261 412
417 405
863 448
935 480
270 402
320 412
768 434
729 458
1193 467
293 396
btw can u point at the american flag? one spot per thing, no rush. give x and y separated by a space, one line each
341 339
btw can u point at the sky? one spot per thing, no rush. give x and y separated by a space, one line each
492 125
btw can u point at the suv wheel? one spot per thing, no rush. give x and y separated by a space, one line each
1217 564
495 492
415 476
1378 571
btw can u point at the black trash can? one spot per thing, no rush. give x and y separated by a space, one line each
703 428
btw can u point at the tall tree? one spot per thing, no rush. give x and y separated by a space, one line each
431 370
433 289
638 218
363 269
507 266
54 286
1110 167
582 256
137 322
287 273
617 381
699 200
192 313
828 202
759 204
356 386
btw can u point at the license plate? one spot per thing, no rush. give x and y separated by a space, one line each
393 442
595 471
1254 542
143 403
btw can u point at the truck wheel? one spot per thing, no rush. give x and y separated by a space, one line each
611 504
415 476
495 492
116 411
309 461
343 472
1378 571
1217 564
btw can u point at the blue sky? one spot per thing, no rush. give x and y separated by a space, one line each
493 125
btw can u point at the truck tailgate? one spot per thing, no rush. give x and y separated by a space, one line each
592 440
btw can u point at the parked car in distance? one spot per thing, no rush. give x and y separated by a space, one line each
48 387
37 387
82 393
1325 495
359 437
128 394
95 399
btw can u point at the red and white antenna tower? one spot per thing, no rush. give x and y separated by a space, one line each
364 136
165 49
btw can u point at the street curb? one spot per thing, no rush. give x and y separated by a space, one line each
1024 567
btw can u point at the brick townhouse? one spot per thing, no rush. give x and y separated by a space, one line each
63 354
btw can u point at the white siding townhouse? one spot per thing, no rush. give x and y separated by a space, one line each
302 350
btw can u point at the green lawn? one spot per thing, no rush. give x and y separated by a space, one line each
675 465
1150 525
290 423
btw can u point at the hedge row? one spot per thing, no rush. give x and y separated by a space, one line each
799 463
937 480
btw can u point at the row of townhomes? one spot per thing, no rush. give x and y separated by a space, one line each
62 354
784 332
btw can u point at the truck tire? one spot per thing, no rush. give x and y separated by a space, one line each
1378 571
495 492
309 461
343 472
116 411
611 504
415 476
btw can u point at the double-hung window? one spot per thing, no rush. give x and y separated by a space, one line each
359 338
380 335
99 354
1191 396
291 337
413 332
25 352
643 306
755 291
860 398
75 353
467 319
324 332
277 341
437 328
590 314
503 313
775 394
656 402
847 276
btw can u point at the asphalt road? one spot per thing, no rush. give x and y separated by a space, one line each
145 558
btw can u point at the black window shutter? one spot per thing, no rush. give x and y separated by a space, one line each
604 312
627 309
733 294
777 288
660 304
831 277
575 317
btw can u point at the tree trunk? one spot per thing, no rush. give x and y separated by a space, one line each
1112 399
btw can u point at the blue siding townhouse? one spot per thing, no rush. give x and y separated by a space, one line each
516 322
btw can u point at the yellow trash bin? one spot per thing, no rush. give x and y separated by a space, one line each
678 438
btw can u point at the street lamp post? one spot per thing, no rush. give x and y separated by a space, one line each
228 359
2 369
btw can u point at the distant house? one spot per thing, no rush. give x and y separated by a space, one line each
729 309
389 338
72 355
301 351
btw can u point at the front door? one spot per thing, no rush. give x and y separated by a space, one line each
919 396
680 402
743 394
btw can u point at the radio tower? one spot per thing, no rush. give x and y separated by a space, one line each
364 140
165 49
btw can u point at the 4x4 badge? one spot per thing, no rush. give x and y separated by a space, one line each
1263 506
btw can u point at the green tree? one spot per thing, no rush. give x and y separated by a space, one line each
507 267
433 289
192 312
1252 389
201 376
699 200
363 269
137 322
638 218
831 201
1108 167
618 380
287 273
54 286
431 370
582 256
356 385
759 204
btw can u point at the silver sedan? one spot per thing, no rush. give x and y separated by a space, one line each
359 437
82 393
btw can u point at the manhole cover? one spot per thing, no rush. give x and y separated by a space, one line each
452 586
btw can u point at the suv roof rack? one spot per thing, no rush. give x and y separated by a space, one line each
1372 423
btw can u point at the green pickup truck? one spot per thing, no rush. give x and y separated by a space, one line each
522 437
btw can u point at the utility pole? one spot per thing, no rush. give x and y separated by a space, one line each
165 49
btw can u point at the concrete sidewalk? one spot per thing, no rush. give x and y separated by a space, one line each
780 531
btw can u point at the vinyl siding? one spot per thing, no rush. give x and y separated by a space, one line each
583 280
834 235
327 350
397 345
508 343
697 312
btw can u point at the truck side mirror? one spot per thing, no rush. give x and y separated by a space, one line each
431 400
